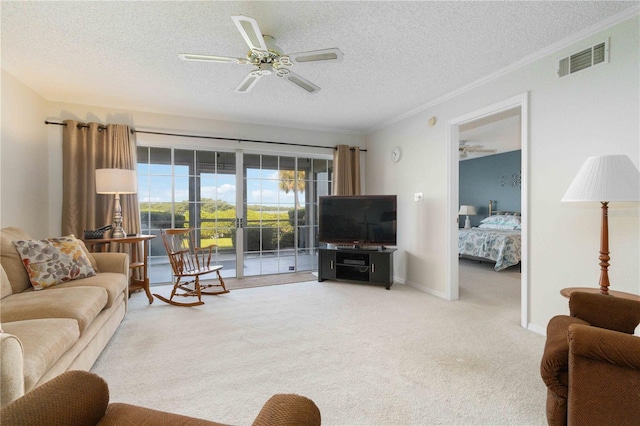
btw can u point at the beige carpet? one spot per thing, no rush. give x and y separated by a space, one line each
365 355
264 280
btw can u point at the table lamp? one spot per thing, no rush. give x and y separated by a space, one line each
468 211
116 181
605 179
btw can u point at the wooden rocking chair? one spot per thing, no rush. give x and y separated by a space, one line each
189 263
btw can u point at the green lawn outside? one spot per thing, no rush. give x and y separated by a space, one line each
223 243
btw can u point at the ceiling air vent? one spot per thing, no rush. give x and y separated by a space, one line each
598 54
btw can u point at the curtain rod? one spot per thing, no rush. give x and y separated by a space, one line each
101 127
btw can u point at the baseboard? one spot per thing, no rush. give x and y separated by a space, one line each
537 329
427 290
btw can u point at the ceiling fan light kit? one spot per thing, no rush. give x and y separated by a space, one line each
268 58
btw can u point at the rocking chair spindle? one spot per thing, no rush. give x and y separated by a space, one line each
189 263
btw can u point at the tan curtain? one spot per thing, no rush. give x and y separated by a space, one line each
346 170
85 148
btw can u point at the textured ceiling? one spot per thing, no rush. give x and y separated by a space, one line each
398 56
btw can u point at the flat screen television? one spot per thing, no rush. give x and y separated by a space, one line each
358 220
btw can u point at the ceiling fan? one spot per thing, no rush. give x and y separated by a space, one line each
464 150
267 58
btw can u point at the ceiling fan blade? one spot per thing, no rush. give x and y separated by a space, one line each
251 33
301 82
332 54
249 81
212 58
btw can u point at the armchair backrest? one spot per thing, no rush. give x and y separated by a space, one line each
610 312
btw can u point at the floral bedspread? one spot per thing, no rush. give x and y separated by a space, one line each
502 247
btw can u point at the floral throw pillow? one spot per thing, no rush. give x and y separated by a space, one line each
54 261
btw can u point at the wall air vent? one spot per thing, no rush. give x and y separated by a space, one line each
587 58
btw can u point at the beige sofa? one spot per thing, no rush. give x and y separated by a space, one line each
59 328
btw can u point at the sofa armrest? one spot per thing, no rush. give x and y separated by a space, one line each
112 262
610 312
72 398
11 369
288 409
604 371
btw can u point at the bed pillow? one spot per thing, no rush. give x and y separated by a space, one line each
54 260
497 227
502 219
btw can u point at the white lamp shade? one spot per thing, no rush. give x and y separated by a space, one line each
116 181
606 178
467 210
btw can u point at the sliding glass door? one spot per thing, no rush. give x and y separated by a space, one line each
273 231
188 189
279 210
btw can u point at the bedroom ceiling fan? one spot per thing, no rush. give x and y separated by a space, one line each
267 58
464 150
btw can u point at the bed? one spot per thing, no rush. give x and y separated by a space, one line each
497 239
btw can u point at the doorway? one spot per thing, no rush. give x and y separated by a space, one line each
455 128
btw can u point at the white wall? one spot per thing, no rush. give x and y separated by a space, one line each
593 112
24 164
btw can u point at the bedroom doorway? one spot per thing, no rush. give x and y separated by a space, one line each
498 117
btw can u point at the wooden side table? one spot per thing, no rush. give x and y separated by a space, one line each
566 292
136 283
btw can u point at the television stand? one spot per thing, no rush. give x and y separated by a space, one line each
356 265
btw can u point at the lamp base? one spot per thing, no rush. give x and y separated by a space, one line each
604 250
118 232
467 223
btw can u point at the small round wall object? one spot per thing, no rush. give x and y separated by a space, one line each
395 154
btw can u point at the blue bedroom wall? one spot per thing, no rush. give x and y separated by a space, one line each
494 177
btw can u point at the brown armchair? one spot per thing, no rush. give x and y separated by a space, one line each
591 362
81 398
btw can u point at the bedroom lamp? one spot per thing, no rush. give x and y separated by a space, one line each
605 179
468 211
116 181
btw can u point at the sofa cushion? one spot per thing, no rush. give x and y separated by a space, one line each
10 259
114 283
80 303
54 260
44 341
5 285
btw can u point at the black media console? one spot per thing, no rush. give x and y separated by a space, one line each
353 264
